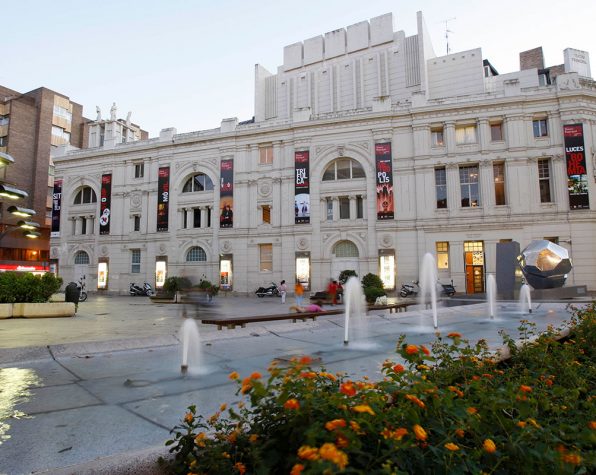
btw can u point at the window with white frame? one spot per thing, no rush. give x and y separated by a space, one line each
60 133
197 182
139 170
441 187
437 137
85 195
359 207
465 134
344 207
266 257
442 248
540 128
62 112
81 257
196 254
544 180
135 259
329 203
136 222
469 185
265 154
343 169
496 132
499 177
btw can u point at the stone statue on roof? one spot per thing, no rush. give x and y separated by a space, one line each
98 110
113 111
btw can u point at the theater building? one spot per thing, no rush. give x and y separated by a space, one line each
366 151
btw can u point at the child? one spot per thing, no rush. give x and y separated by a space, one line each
299 292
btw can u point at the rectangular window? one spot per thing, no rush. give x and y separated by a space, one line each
359 207
266 155
496 132
60 133
3 120
266 214
544 180
136 222
465 134
441 187
83 225
196 218
553 239
344 208
208 217
436 136
470 192
442 248
540 127
135 259
139 170
329 209
4 141
266 257
499 175
62 112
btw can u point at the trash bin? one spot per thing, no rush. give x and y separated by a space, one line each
72 293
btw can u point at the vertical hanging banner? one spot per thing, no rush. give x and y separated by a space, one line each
301 188
106 203
56 205
577 176
226 194
384 181
163 198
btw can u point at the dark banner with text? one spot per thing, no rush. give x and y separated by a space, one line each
226 194
163 198
577 175
384 181
106 204
301 187
56 205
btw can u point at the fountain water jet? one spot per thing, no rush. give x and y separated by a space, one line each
428 284
491 295
191 345
354 303
525 299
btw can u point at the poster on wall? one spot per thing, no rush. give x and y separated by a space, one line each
226 194
301 188
163 198
384 181
577 176
56 205
106 200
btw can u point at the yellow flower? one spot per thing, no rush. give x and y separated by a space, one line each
423 367
355 427
419 432
451 446
415 400
329 451
234 375
223 407
200 439
489 446
364 408
327 375
308 453
534 423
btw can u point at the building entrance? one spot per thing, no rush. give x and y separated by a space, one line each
474 263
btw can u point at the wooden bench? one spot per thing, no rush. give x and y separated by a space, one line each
231 323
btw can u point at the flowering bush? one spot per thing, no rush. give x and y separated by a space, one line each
455 409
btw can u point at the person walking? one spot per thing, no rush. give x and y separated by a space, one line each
332 291
299 293
283 288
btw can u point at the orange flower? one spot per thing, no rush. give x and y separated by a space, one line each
489 446
423 367
415 400
335 424
396 434
572 459
355 427
200 439
533 422
471 410
459 433
292 404
398 368
223 407
364 408
308 374
329 451
454 335
451 446
525 389
297 469
453 389
308 453
342 441
245 388
253 438
188 417
411 349
592 425
256 375
234 375
305 360
240 467
521 424
348 389
328 375
419 432
425 350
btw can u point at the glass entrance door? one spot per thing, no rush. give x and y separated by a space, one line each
474 263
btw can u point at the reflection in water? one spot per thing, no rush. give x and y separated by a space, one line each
14 390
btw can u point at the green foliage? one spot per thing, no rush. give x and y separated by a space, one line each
344 275
372 293
208 287
372 280
453 410
175 284
24 287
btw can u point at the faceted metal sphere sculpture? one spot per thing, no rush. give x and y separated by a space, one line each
545 265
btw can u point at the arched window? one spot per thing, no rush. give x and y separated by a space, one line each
197 182
345 249
196 254
81 257
343 169
85 195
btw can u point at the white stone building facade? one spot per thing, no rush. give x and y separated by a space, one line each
476 158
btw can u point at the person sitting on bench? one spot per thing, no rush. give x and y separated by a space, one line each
310 308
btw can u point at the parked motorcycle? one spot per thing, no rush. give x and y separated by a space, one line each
271 291
447 289
81 285
409 290
135 289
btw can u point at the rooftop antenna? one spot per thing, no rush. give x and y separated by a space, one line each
447 31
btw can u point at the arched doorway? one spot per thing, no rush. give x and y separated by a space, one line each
81 265
344 256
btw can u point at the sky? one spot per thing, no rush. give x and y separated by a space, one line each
188 64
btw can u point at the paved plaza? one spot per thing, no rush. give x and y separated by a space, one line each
108 381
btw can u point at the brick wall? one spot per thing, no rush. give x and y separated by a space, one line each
533 58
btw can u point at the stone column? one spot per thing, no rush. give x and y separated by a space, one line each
559 181
203 216
484 134
486 185
78 225
323 209
453 195
450 137
335 201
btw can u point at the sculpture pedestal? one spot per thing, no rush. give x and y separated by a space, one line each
569 292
